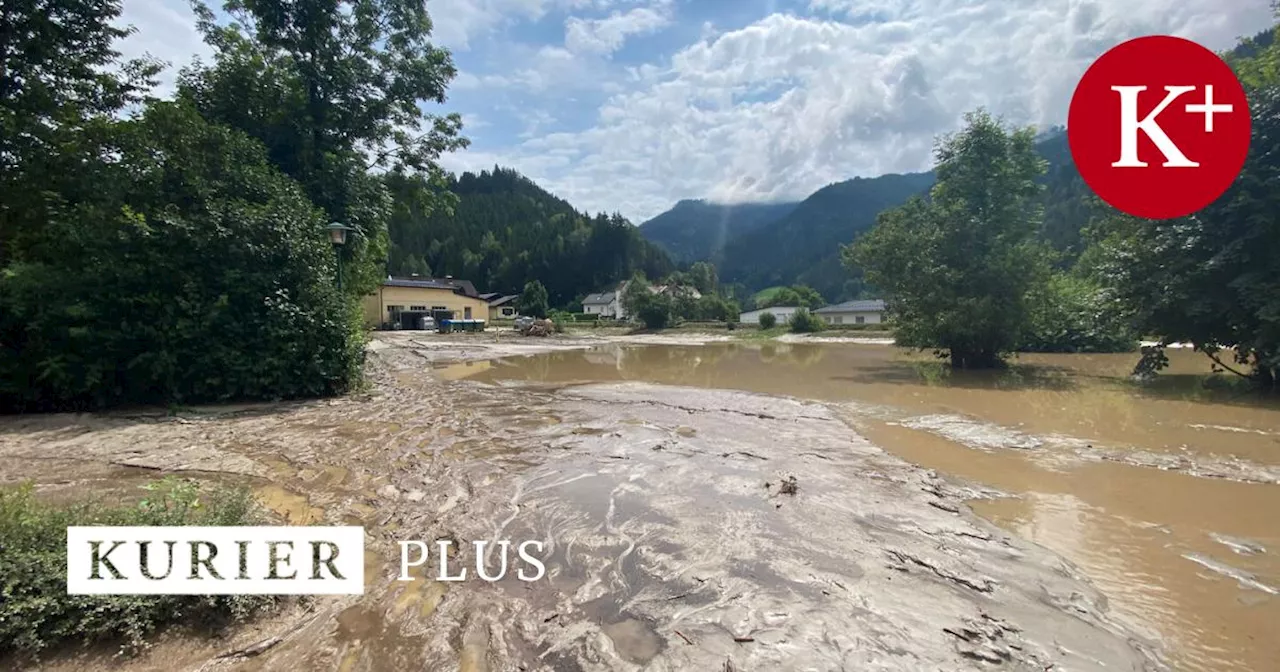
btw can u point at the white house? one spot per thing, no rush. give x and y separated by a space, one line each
783 313
853 312
609 304
604 304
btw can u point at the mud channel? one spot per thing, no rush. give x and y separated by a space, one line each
1049 517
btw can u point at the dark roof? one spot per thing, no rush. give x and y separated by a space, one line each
463 287
489 296
499 300
603 298
864 306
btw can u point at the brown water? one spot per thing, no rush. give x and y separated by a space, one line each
1109 474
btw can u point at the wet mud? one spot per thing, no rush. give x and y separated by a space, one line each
1164 495
689 520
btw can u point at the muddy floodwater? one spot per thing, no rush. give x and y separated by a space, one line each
1166 496
710 504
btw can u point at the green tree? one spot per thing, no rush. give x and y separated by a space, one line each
196 272
1213 278
533 300
768 320
655 311
703 276
784 296
807 297
61 84
334 89
805 322
958 266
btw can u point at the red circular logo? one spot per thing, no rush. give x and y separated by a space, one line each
1159 127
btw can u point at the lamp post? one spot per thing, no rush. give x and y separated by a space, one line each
338 236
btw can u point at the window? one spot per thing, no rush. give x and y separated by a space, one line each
466 313
860 319
394 310
439 308
839 319
508 311
418 309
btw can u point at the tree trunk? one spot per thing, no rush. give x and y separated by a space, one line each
974 359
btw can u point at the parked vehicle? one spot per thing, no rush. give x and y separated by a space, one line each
523 323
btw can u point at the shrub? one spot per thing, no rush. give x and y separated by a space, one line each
805 322
560 319
197 272
36 612
1071 314
768 320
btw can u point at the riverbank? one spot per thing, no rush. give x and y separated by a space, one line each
671 539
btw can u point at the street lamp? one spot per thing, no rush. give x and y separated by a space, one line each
338 236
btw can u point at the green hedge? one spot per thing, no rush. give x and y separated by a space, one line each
37 613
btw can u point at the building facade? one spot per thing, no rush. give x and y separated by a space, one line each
783 313
853 312
403 300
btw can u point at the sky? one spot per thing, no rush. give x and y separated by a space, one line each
631 105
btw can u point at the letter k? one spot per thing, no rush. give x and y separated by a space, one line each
97 559
1130 125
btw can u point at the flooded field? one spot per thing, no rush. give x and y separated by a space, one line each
1166 496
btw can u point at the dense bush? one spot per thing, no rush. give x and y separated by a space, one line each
768 320
197 273
560 319
655 311
1071 314
188 270
805 322
36 611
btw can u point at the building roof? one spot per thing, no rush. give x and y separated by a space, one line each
489 296
601 299
499 300
864 306
463 287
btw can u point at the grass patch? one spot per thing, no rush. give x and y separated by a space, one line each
36 612
751 334
765 294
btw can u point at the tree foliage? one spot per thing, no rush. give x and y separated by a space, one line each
654 310
1213 278
768 320
142 315
795 295
959 265
805 322
505 230
533 300
333 89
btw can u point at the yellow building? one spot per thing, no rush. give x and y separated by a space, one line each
407 299
501 306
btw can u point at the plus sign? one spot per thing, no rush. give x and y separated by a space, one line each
1208 109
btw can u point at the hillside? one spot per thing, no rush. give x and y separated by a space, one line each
695 230
804 246
506 230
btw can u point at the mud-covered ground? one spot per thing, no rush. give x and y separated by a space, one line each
684 528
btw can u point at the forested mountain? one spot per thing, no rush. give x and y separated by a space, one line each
804 246
506 230
696 230
801 246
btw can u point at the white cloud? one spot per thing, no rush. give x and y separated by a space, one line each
781 107
605 36
770 110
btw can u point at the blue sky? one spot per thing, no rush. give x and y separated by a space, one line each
631 105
